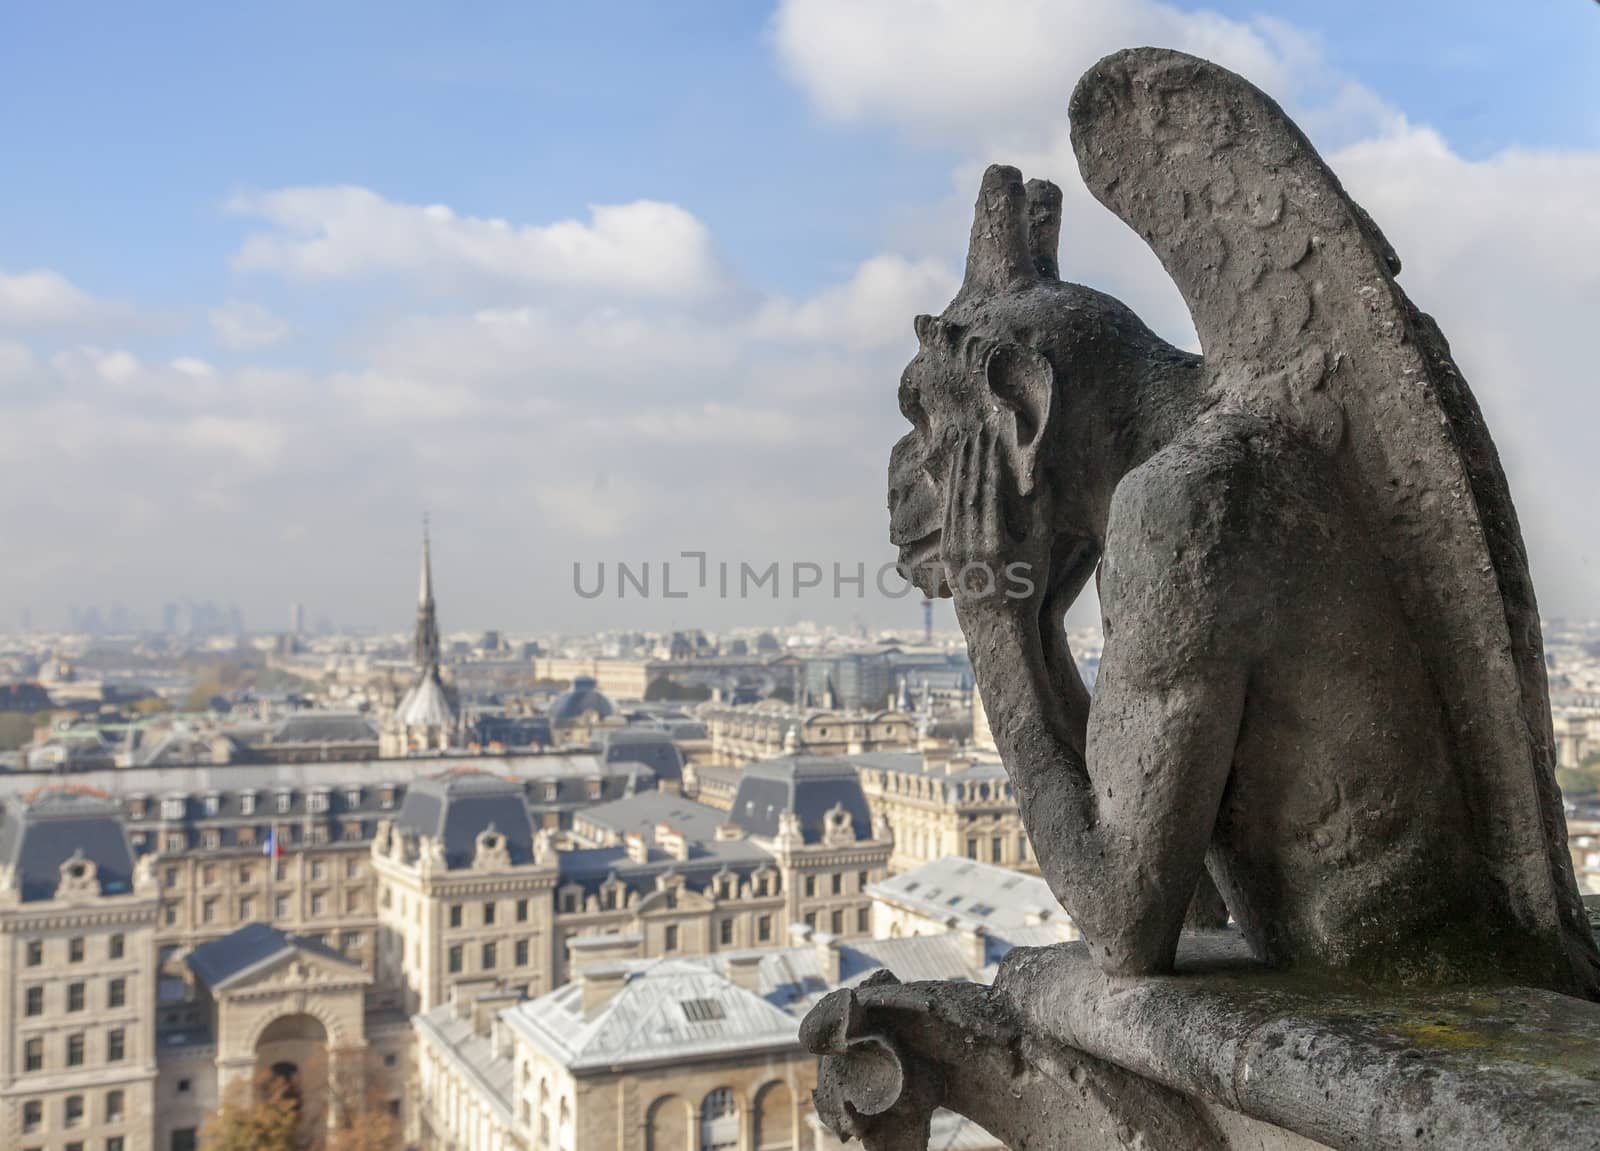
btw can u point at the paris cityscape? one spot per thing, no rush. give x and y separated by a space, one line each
466 684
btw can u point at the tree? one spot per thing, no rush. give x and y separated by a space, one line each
262 1115
359 1092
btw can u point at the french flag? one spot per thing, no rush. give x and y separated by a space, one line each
272 848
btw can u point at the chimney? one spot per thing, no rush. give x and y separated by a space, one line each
464 995
744 970
728 831
587 950
486 1010
599 983
1033 915
827 956
638 848
672 841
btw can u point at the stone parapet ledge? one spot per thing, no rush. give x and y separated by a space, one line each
1221 1055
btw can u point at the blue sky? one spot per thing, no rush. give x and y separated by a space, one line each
144 146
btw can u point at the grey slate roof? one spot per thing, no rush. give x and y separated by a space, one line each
224 959
582 697
809 786
644 811
976 894
324 727
647 1020
652 747
37 836
458 806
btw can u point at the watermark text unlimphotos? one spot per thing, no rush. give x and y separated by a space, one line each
695 574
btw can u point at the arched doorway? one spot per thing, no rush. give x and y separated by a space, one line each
293 1050
774 1118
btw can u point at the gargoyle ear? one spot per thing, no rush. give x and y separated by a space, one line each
1023 384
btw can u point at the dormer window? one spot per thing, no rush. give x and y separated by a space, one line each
317 801
136 806
552 791
213 803
386 795
173 806
352 797
247 803
285 802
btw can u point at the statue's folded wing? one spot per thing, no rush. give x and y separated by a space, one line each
1292 291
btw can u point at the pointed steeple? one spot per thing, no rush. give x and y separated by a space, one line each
425 645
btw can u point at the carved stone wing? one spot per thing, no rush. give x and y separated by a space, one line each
1292 291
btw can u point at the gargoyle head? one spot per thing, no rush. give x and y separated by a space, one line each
1021 352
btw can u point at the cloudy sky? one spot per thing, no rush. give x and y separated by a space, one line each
602 282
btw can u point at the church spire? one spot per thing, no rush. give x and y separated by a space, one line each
425 645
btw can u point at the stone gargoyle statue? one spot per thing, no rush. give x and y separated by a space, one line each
1322 683
1322 678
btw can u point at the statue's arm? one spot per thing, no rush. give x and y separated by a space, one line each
1120 802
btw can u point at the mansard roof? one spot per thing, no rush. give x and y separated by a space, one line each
809 786
40 833
651 746
458 806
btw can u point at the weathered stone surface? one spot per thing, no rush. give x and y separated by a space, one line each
1485 1067
1322 679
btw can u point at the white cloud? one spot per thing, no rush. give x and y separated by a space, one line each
41 298
240 326
869 310
340 233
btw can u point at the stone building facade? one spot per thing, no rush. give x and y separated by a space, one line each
941 806
752 732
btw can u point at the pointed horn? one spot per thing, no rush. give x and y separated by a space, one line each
997 256
1044 227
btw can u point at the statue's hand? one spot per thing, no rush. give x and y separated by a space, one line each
996 543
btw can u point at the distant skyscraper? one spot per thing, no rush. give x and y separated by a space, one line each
297 619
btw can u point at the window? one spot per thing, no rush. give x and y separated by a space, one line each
33 1055
247 908
247 803
281 908
861 881
117 992
838 883
75 950
455 915
455 959
672 937
319 870
115 1143
352 797
863 915
811 885
764 929
318 900
386 796
174 842
719 1121
208 911
522 953
725 932
522 911
74 1110
172 807
317 802
702 1010
285 802
74 997
116 1045
836 923
211 838
185 1139
811 920
972 847
489 957
169 912
488 914
994 849
75 1050
115 946
183 1087
32 1115
213 803
170 878
569 903
35 953
352 901
35 1001
352 868
1022 847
